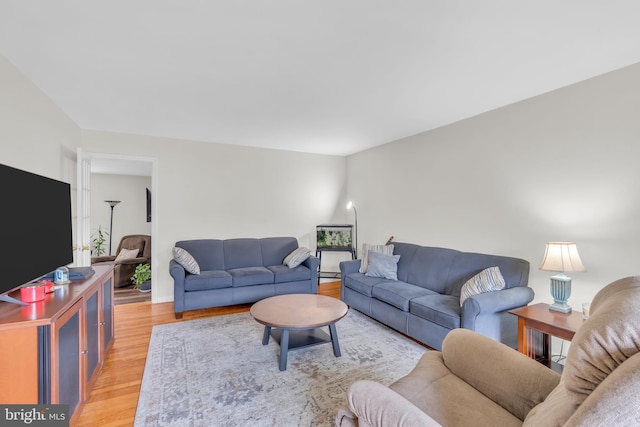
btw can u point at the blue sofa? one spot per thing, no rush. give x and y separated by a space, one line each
239 271
424 303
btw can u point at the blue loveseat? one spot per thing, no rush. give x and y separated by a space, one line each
424 303
239 271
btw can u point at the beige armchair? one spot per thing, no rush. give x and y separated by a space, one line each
124 268
476 381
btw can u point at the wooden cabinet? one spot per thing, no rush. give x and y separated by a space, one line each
52 351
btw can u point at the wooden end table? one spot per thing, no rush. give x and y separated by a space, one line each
297 319
536 325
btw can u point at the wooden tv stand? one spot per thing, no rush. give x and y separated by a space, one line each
52 351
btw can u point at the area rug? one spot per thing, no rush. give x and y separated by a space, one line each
216 372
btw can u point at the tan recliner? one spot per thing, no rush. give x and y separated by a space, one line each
476 381
124 269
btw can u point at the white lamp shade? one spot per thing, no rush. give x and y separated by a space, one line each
562 256
350 204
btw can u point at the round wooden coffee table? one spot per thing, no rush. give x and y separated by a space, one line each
297 319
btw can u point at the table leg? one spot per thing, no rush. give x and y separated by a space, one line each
334 339
284 348
265 336
523 343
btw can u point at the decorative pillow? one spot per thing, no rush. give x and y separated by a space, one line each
127 254
487 280
382 265
297 257
185 259
383 249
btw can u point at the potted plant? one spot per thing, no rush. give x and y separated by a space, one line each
142 278
98 239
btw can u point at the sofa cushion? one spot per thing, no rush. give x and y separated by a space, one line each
554 411
467 264
381 265
424 266
186 260
285 274
136 243
211 279
361 283
488 280
398 294
274 249
208 253
443 310
240 253
366 248
248 276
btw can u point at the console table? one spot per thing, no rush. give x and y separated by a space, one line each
52 351
536 325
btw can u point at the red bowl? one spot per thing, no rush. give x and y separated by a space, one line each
32 293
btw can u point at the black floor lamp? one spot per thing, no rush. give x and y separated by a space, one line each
113 204
350 205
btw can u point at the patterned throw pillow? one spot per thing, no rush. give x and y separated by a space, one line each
127 254
383 249
186 260
297 257
487 280
381 265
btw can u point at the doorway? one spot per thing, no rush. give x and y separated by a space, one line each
111 171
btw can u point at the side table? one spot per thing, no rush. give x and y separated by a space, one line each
536 325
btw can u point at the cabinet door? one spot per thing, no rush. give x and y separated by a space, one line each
93 349
67 343
107 313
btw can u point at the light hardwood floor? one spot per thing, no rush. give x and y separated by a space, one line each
114 397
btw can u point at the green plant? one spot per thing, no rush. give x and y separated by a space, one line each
98 240
141 275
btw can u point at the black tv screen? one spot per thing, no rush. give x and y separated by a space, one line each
35 227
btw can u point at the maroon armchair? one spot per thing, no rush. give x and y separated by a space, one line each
124 268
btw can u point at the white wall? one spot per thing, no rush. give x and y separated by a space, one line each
223 191
561 166
129 216
35 135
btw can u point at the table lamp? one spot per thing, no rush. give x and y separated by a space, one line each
561 257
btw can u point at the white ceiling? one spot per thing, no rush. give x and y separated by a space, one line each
330 76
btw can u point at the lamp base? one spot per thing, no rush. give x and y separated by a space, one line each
560 291
560 306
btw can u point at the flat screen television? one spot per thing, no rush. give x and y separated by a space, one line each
35 227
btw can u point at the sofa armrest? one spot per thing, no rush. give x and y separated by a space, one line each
347 267
139 260
377 405
178 273
102 258
350 266
494 302
313 263
511 379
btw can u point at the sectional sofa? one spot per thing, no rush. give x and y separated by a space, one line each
239 271
424 301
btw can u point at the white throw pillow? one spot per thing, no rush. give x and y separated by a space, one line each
382 249
297 257
488 280
186 260
127 254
